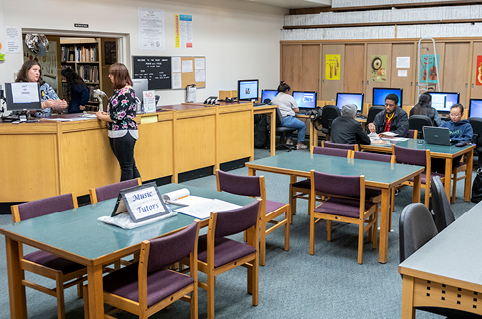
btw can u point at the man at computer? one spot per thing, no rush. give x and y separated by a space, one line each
346 130
287 105
393 119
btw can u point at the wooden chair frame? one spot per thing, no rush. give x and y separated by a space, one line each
455 178
93 193
368 217
355 146
62 281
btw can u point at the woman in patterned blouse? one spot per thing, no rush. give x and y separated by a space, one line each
121 127
31 72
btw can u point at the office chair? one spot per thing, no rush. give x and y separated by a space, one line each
330 112
442 213
353 147
281 132
417 122
372 112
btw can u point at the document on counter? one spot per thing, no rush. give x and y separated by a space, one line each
203 210
183 197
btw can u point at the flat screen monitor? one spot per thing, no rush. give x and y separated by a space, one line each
475 108
23 96
350 98
268 94
139 86
442 101
305 100
380 94
248 90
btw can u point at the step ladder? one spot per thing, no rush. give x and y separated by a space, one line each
423 86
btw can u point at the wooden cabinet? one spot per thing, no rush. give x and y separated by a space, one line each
300 67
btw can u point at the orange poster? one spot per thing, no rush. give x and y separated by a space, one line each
478 72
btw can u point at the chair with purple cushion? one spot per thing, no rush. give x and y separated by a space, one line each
65 272
353 147
413 134
103 193
346 203
254 186
148 286
218 254
421 158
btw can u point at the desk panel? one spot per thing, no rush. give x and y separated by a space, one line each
233 141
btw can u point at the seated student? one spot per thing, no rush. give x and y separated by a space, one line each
424 107
288 107
393 119
346 130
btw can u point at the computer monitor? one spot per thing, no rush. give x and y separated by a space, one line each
442 101
350 98
380 95
305 100
23 96
139 86
248 90
268 94
475 108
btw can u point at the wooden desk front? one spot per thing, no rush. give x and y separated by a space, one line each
446 272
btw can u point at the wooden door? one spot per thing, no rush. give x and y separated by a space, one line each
476 78
291 65
329 88
456 72
378 59
311 68
354 75
404 77
108 49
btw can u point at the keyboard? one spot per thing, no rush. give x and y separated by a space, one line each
258 104
361 117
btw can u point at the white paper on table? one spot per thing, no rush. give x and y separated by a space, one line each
203 210
389 134
182 197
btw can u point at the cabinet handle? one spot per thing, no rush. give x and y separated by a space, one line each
466 86
472 85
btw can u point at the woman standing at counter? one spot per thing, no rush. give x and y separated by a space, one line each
77 91
121 127
31 72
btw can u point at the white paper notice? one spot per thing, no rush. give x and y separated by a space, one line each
13 37
199 63
176 64
200 76
403 62
176 81
151 29
149 100
402 73
187 66
186 30
25 92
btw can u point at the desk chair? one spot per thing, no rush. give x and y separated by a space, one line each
65 272
346 204
330 112
148 286
353 147
372 112
218 254
442 213
254 186
417 157
417 122
103 193
281 132
413 134
476 124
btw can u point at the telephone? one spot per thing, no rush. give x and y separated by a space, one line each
211 100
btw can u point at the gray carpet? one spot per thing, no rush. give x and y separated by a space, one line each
293 284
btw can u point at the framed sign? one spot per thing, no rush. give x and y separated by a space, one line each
141 202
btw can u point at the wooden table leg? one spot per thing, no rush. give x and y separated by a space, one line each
95 291
417 188
408 312
251 172
16 291
469 158
384 227
273 133
448 176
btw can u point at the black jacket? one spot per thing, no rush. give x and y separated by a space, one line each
345 130
399 122
427 111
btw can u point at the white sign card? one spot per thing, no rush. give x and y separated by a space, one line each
187 66
142 202
13 38
402 73
149 100
403 62
25 92
151 29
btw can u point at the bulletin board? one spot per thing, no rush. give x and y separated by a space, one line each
156 69
198 74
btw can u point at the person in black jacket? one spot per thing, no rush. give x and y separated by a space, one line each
424 107
78 92
393 119
347 130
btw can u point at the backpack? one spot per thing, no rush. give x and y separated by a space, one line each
261 139
477 187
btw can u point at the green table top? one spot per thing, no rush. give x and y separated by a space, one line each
414 144
302 162
79 232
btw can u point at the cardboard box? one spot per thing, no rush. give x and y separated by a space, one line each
230 94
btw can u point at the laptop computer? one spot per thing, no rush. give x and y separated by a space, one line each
436 135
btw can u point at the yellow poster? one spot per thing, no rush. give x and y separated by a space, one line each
332 67
177 31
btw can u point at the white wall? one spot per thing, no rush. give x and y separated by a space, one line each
239 39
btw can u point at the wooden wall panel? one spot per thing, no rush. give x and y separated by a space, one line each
311 68
456 70
406 83
291 66
354 76
329 88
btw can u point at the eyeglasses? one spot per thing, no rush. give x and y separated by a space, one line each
455 115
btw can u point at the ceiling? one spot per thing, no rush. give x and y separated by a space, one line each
294 4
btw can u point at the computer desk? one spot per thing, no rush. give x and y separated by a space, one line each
446 271
437 151
78 236
271 111
384 176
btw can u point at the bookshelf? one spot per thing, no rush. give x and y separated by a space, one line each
83 55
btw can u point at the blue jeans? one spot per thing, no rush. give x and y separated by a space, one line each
291 121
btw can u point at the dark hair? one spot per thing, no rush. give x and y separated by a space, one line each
72 79
283 87
424 100
23 73
392 97
121 75
460 106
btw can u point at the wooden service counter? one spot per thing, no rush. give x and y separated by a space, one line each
49 158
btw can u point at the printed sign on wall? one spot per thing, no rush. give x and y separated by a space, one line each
332 67
478 77
428 68
379 68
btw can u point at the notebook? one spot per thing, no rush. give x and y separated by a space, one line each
436 135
